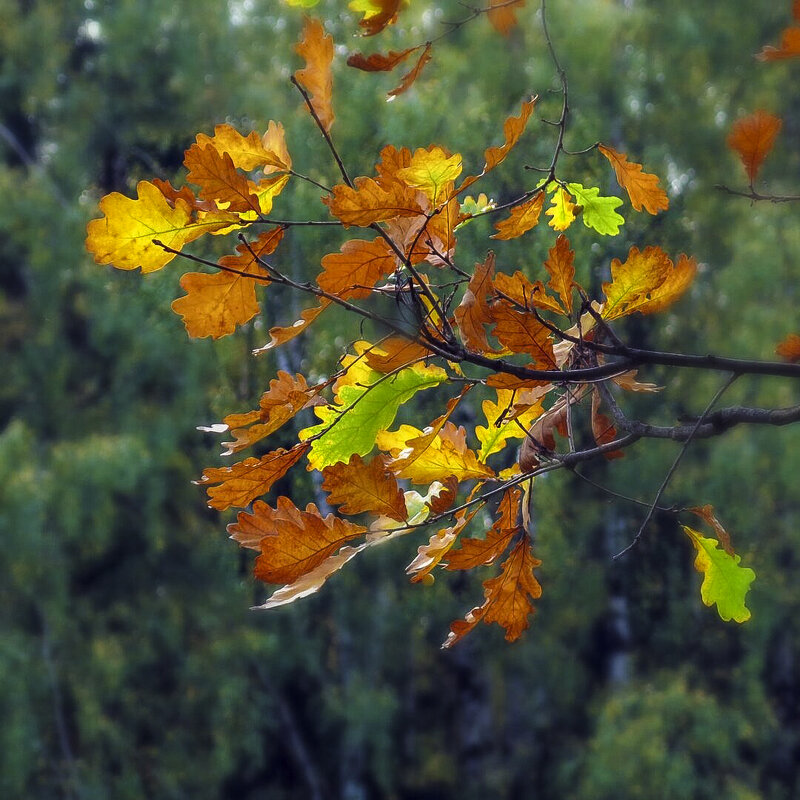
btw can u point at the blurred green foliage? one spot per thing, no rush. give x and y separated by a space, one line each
130 666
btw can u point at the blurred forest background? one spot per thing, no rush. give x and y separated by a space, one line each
130 665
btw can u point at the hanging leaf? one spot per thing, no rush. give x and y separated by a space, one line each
560 265
355 270
597 212
725 583
473 313
523 218
789 348
642 187
408 80
752 137
316 49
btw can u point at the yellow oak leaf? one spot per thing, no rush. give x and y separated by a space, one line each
562 210
124 236
433 172
247 152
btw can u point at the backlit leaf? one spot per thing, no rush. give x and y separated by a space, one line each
218 179
378 14
247 152
370 201
502 423
523 218
433 172
431 554
523 333
508 597
242 483
316 49
752 137
355 270
642 187
124 236
525 294
560 265
473 313
503 16
789 348
358 486
562 210
282 334
408 80
598 212
360 412
725 583
214 305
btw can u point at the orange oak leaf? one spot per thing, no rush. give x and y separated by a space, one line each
706 513
642 187
603 429
475 552
357 486
508 597
789 348
370 201
379 62
281 334
541 435
409 79
523 217
124 237
473 313
173 195
503 15
247 152
215 304
395 353
275 142
355 270
218 179
788 48
523 333
242 483
752 138
678 280
316 49
628 382
431 554
444 500
525 294
292 542
560 265
286 396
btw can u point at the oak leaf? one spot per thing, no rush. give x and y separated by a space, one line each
596 212
752 137
633 282
503 16
433 172
358 486
369 201
408 80
524 293
473 313
562 209
379 62
215 304
292 542
218 179
523 218
642 187
286 396
474 552
247 152
788 48
431 554
725 582
521 332
508 597
124 236
242 483
503 423
316 49
355 270
603 429
560 265
361 411
789 348
378 14
394 353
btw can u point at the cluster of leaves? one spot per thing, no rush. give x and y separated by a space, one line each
546 351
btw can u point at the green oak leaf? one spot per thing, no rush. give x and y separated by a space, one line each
351 424
598 212
724 581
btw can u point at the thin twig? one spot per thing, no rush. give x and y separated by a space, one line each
722 389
